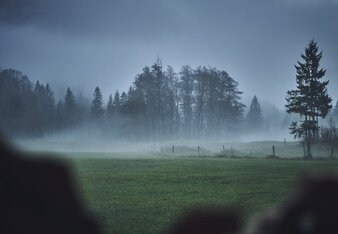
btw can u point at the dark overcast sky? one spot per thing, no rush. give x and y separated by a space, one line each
106 43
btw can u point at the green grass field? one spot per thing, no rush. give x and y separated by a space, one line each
146 195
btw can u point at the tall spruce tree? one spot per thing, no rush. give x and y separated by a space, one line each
254 118
310 99
96 109
69 108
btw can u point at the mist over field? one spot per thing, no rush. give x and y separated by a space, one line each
89 141
75 142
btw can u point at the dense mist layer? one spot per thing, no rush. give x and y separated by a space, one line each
89 139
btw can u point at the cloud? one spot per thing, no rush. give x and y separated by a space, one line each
119 18
17 12
109 41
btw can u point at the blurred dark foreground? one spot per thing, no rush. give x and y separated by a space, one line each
38 196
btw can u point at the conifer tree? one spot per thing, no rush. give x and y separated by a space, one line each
116 102
254 119
69 109
96 109
110 108
123 102
310 99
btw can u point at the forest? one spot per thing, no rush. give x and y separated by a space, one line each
202 103
195 103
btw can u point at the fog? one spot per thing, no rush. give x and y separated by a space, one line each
88 139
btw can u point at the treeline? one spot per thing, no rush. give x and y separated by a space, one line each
201 103
31 110
160 104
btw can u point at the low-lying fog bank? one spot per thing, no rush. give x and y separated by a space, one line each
91 143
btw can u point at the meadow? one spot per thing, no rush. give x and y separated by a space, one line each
148 194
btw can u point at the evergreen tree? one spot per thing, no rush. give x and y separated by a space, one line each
116 103
69 100
123 100
49 94
134 113
110 108
96 109
254 119
233 108
150 84
69 108
310 100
